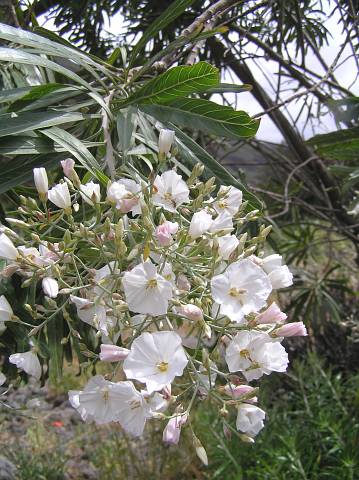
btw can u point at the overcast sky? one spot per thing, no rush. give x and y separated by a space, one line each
245 101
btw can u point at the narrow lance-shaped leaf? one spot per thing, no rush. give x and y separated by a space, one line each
23 122
76 148
176 82
207 116
20 56
196 152
24 37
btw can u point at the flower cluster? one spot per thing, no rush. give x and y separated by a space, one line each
157 278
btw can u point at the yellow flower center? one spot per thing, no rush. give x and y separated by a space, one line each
244 353
162 367
222 204
236 292
167 196
152 283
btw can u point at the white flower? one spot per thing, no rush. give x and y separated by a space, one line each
6 311
50 287
60 196
200 223
165 140
91 193
2 379
279 275
255 354
126 195
230 201
250 419
226 246
146 291
156 359
28 362
222 223
170 191
41 181
92 313
243 288
102 401
7 248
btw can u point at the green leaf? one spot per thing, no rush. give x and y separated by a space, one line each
20 56
126 125
13 94
24 145
11 125
229 87
42 96
55 333
77 149
207 116
176 82
340 145
174 10
58 48
192 149
19 169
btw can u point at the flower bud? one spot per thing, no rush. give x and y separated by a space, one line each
201 452
295 329
50 287
165 231
68 167
191 311
165 140
273 314
41 182
113 353
172 431
183 283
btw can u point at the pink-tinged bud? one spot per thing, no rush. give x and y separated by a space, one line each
165 231
183 283
125 205
192 312
237 391
295 329
273 314
113 353
172 431
165 140
68 167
